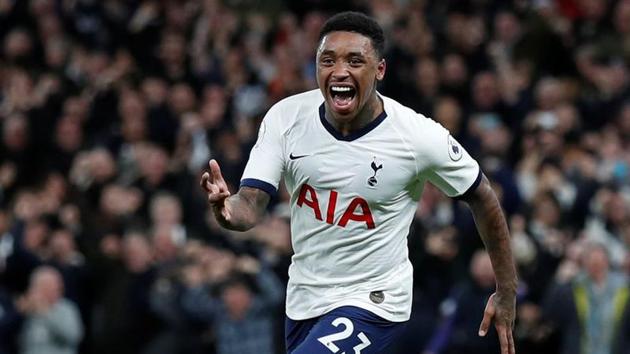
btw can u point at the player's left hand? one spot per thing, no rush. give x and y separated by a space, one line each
501 309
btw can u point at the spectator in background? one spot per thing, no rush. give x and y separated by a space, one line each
9 318
10 323
448 112
591 312
124 320
19 242
462 313
426 81
242 318
68 140
51 323
64 256
454 76
15 153
165 210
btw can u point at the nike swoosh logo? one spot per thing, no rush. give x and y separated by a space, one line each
295 157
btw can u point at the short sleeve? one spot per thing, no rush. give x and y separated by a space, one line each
449 167
266 159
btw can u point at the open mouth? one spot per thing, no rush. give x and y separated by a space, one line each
342 96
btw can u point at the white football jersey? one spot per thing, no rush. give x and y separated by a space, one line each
353 199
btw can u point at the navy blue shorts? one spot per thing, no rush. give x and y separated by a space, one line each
349 330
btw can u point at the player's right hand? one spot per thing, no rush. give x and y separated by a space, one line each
215 187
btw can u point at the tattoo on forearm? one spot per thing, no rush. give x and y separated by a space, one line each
494 233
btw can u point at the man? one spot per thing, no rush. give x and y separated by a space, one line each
241 318
355 163
52 324
461 311
591 313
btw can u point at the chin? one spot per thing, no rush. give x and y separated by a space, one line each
345 113
343 117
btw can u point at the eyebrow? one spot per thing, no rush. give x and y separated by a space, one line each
329 51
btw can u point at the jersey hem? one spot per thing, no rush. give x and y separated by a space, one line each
362 305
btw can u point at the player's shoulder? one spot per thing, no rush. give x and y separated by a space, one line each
298 102
409 120
292 108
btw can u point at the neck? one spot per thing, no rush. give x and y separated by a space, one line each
599 279
372 109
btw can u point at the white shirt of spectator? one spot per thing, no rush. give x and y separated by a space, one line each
353 199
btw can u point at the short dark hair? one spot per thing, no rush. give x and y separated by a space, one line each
358 22
237 279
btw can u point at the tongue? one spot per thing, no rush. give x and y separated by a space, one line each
342 100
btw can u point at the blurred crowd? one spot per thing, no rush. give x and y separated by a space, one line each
110 111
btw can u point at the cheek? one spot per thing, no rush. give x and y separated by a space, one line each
321 75
367 87
322 71
318 75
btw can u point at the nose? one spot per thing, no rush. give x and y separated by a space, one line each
340 72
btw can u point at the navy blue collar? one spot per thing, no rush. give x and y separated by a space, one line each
355 134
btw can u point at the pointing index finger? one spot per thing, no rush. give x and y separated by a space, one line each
215 170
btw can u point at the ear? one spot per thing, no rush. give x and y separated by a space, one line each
380 70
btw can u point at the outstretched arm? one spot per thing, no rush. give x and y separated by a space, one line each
494 232
240 211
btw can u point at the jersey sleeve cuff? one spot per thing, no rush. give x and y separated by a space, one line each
472 187
262 185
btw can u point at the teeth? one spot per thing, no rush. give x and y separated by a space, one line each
340 89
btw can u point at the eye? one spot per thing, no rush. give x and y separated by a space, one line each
355 62
327 61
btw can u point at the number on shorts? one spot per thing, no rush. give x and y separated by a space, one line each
329 340
365 342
